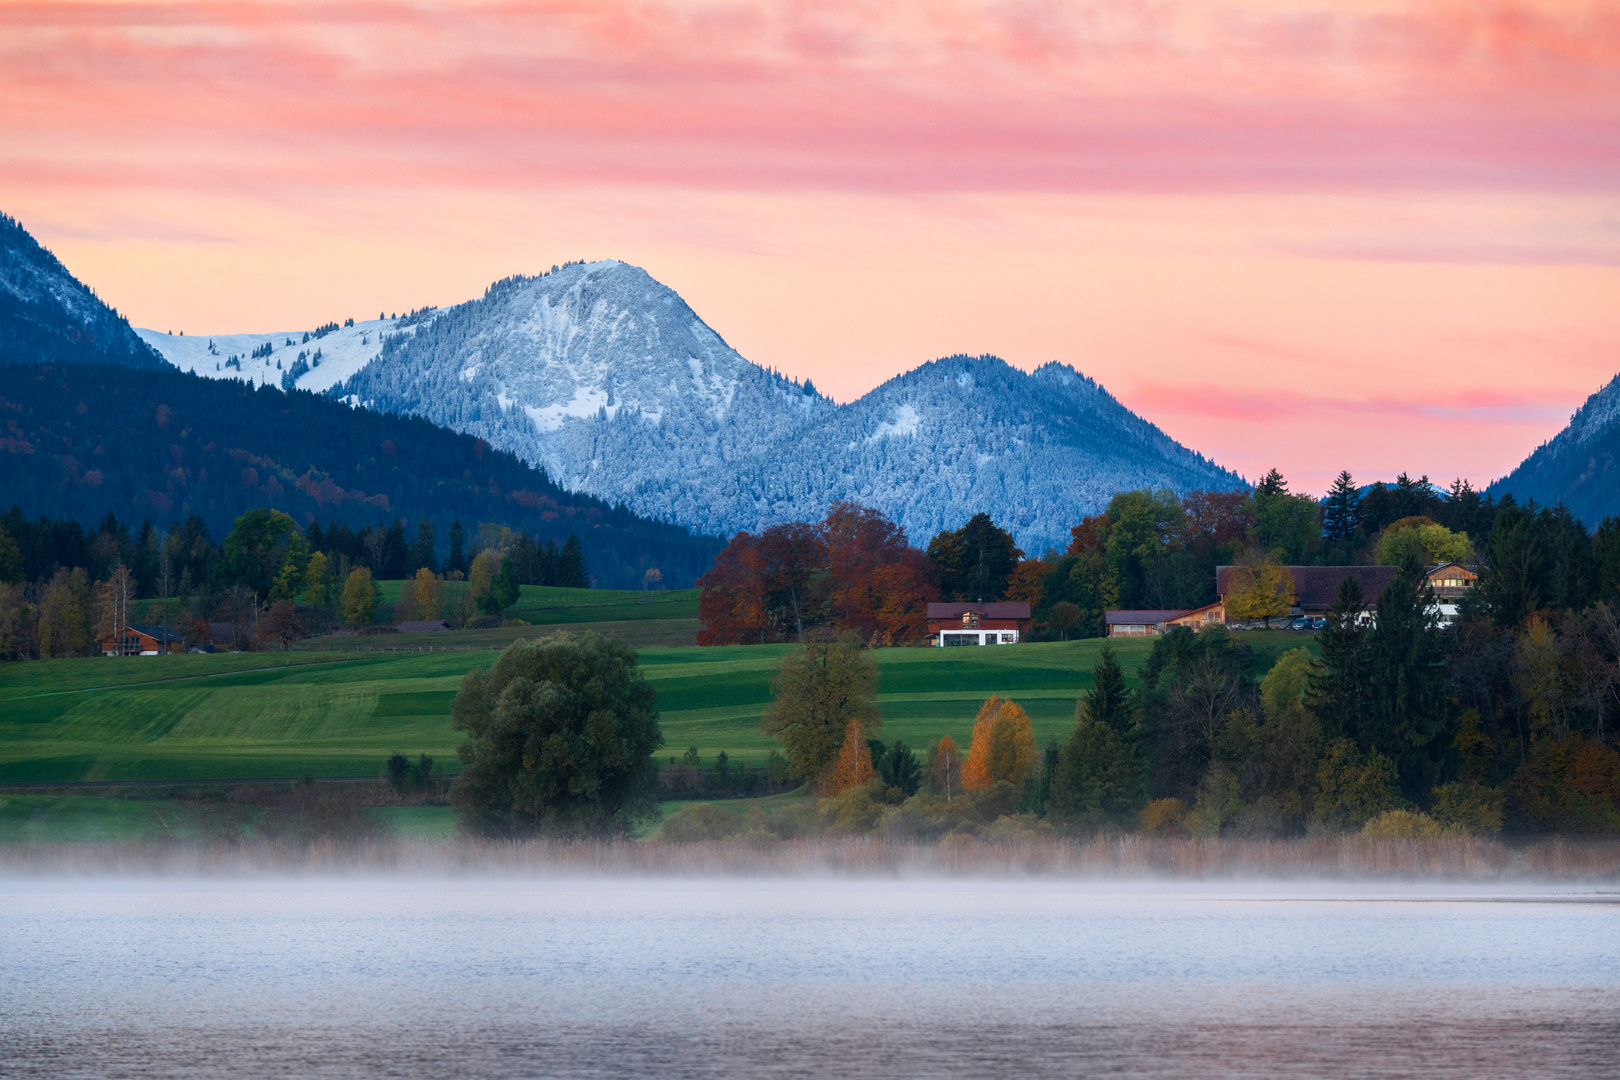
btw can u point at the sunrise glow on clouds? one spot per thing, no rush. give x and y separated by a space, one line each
1380 236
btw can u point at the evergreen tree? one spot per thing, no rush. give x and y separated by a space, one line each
572 573
458 549
1339 691
1108 701
1341 511
1272 484
1095 779
1513 582
424 552
1407 713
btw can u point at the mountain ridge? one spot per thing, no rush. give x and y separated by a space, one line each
49 316
610 382
1579 466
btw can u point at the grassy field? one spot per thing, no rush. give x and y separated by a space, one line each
261 715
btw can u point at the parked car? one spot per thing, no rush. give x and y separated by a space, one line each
1319 624
1300 624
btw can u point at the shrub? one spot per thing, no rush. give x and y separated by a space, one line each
1164 817
1401 825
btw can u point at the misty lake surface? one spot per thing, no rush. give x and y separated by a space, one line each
783 977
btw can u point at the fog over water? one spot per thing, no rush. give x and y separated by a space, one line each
661 977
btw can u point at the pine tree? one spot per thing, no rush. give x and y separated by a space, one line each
1339 692
572 573
1108 701
458 549
1342 509
1272 484
1408 672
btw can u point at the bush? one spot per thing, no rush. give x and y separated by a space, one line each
1402 825
1164 817
698 822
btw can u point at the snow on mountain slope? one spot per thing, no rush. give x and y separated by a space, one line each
602 376
1580 466
609 381
330 358
956 436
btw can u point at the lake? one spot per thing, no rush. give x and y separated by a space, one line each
802 977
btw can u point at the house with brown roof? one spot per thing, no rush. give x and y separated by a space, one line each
1001 622
1316 586
140 641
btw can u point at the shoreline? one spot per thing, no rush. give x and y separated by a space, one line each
1137 858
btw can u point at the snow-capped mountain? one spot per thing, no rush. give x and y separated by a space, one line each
610 382
47 316
1578 466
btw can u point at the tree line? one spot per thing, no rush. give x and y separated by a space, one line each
58 580
1148 550
167 445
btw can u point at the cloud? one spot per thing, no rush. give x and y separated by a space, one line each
904 97
1463 407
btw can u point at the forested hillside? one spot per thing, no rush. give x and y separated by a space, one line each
1578 466
48 317
78 442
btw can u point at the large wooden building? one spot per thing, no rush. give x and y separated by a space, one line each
140 641
1002 622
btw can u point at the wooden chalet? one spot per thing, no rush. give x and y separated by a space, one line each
140 641
1001 622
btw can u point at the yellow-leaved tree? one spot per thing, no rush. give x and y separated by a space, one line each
1260 587
1012 745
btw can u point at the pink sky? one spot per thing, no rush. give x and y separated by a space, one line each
1365 235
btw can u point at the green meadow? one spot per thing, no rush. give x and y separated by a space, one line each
341 713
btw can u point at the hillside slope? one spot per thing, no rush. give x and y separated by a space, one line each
47 316
160 445
1577 467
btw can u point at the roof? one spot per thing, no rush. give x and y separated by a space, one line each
1143 618
999 609
155 632
1314 586
422 626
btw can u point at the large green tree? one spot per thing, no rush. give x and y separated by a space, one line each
820 689
560 737
975 561
261 544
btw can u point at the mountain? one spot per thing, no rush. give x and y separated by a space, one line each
48 317
1578 466
76 442
610 382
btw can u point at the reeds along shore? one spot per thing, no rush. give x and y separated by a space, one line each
1120 858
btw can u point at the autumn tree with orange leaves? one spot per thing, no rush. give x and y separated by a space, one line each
1003 746
854 765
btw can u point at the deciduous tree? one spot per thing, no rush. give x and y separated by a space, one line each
359 598
820 689
560 737
853 766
